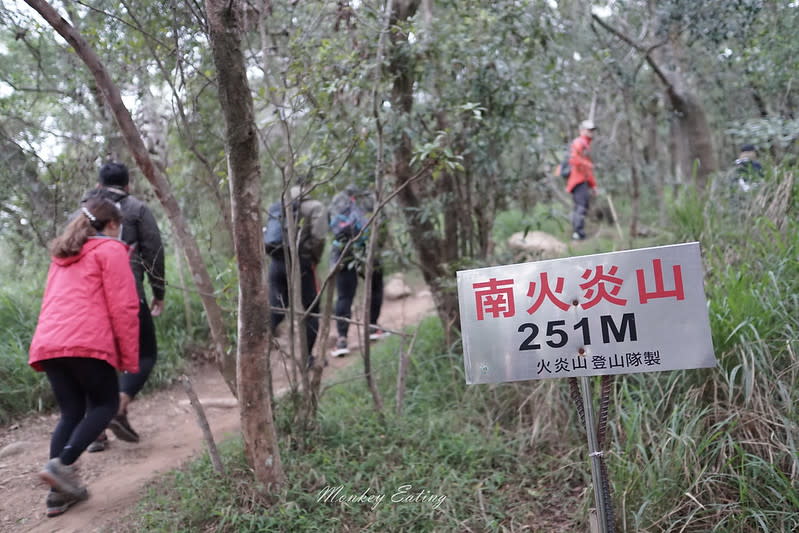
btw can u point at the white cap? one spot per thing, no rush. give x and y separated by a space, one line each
587 125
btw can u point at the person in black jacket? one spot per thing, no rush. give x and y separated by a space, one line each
140 231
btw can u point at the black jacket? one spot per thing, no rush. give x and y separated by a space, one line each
140 231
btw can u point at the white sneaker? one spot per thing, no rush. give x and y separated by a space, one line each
378 334
341 348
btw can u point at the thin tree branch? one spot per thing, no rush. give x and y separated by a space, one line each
646 51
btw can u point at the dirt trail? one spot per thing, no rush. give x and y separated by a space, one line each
170 437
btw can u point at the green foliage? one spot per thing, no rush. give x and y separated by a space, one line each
21 389
687 215
445 470
497 92
715 450
541 217
702 450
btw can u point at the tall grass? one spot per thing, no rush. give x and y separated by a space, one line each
710 450
716 450
491 479
21 389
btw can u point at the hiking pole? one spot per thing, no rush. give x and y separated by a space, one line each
615 217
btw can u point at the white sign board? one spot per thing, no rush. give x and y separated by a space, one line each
616 313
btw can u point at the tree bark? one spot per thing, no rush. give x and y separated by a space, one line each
241 140
202 421
208 176
159 182
422 230
695 151
634 180
373 236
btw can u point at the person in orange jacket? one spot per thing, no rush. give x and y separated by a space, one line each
581 183
88 329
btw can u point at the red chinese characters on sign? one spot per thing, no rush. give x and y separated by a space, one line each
660 291
596 290
545 292
495 299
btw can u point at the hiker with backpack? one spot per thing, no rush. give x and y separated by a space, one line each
310 217
748 170
349 211
88 329
140 231
581 183
735 189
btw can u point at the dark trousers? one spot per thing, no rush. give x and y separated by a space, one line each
582 198
346 285
131 384
279 295
87 393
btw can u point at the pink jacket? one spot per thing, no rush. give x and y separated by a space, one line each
581 164
90 308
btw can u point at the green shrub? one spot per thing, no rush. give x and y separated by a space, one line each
21 389
461 475
701 450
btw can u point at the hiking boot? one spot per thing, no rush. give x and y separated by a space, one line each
100 444
341 348
58 502
378 334
63 478
122 428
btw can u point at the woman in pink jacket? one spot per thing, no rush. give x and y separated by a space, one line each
88 329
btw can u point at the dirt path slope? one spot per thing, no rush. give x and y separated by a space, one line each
170 436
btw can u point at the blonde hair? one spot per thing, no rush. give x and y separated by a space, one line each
92 218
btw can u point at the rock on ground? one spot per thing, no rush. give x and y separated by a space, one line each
537 244
396 288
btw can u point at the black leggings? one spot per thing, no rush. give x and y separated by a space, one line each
88 395
582 200
279 296
131 384
346 284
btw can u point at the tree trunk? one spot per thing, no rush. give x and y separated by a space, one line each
422 231
159 182
634 180
257 422
695 151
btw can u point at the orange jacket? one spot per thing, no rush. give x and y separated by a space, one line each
90 308
582 168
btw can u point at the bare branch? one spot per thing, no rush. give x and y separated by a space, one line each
646 51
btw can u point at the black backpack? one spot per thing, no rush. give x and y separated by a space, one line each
565 169
275 230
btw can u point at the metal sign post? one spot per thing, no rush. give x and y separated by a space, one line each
596 315
595 453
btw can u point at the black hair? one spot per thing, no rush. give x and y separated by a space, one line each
114 174
92 218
